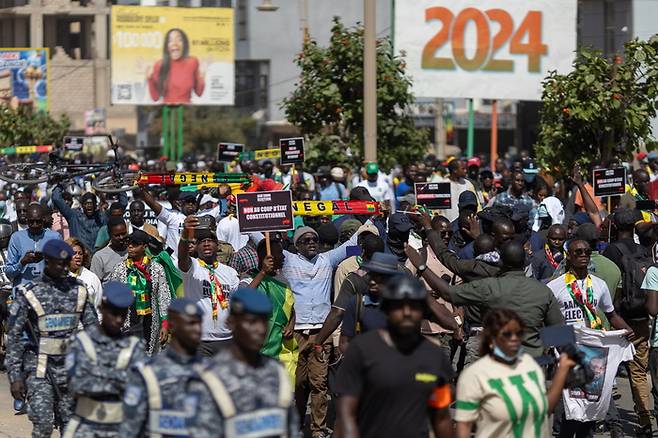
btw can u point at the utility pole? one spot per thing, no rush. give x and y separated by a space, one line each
369 81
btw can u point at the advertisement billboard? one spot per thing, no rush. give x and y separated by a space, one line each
487 49
24 77
168 55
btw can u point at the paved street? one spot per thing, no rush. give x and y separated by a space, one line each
19 427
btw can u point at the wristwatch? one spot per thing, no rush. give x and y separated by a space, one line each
420 269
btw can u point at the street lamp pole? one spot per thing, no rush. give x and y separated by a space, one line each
370 81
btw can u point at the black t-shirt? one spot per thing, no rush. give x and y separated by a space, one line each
372 318
393 388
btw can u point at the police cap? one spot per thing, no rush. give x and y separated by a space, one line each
185 306
250 300
57 249
118 294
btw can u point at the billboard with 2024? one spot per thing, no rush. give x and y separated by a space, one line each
24 77
489 49
168 55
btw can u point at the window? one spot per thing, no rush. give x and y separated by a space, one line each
252 85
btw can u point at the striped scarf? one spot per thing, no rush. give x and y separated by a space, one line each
139 280
217 295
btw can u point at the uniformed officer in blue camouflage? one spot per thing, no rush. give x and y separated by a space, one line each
155 400
98 363
51 310
240 392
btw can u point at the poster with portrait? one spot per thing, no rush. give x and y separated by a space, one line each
597 358
172 56
24 77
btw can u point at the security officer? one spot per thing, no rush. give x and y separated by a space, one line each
240 391
155 400
98 364
50 311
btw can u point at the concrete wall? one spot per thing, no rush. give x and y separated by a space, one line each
645 16
277 37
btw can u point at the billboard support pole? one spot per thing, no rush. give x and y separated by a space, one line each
172 133
494 134
180 132
165 131
370 81
471 129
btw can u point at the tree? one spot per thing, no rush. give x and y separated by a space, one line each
601 109
327 104
24 126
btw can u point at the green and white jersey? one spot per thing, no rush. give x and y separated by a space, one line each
504 400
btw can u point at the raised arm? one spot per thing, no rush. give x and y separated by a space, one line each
588 202
61 205
184 259
149 199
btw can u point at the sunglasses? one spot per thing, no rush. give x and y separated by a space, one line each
510 335
309 240
582 251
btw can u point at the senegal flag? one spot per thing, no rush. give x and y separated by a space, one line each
285 350
174 279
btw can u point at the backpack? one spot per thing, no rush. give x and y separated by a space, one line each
634 264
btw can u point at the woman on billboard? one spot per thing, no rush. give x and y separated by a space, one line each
175 76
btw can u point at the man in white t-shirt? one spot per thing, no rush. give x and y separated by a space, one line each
458 185
174 219
209 282
582 297
378 185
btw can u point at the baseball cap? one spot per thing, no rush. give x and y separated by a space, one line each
529 166
372 168
475 161
337 173
382 263
467 199
399 222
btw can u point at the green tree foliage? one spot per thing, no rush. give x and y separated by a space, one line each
327 104
25 127
603 108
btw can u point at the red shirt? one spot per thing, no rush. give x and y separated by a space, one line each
182 79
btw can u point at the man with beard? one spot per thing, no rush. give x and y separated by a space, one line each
393 381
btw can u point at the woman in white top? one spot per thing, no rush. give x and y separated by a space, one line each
81 258
504 392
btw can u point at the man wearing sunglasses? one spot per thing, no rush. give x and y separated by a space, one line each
24 257
583 298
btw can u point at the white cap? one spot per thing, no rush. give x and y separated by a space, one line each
337 173
207 198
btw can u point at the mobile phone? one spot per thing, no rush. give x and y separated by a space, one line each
206 222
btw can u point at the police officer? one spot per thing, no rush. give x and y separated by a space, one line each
49 310
98 364
241 391
154 402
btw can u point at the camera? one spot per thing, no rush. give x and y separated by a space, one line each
563 338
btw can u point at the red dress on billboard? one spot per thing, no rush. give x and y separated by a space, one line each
181 81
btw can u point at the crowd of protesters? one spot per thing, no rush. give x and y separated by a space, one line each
392 324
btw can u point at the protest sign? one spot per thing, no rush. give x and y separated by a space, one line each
292 150
265 211
433 195
227 152
609 182
326 208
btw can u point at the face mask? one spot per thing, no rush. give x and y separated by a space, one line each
3 204
501 356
